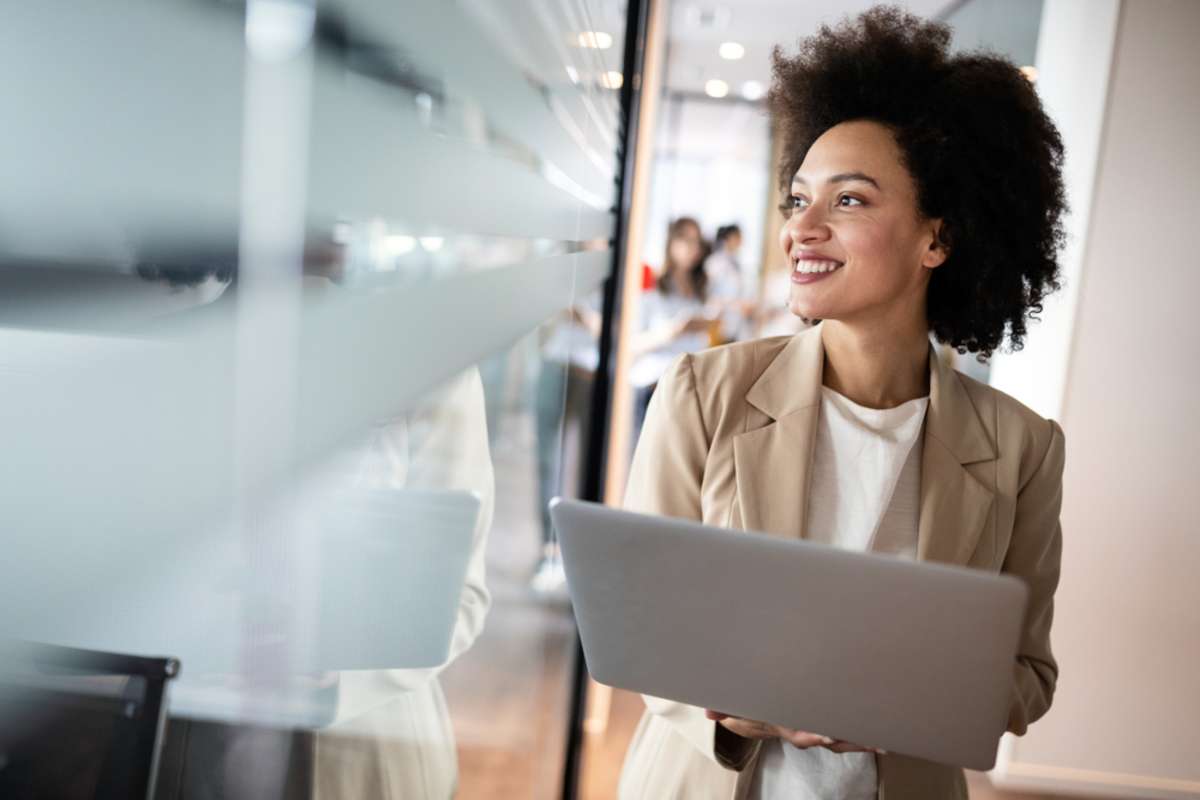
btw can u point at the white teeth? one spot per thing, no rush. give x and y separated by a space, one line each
807 266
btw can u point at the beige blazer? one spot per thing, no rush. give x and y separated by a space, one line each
728 440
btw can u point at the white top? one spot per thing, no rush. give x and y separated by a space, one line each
663 309
864 495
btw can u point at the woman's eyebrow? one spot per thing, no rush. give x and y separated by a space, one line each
842 177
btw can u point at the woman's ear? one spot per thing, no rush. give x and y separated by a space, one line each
939 246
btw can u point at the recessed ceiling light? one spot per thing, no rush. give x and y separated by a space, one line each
753 90
1030 73
612 79
731 51
716 88
398 244
595 40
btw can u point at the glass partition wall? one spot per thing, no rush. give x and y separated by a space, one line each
301 305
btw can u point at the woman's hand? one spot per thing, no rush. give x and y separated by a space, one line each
693 323
747 728
751 729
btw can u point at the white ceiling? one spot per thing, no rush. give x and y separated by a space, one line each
698 27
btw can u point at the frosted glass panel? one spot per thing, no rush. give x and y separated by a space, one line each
299 309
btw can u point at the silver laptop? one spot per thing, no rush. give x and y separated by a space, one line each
913 658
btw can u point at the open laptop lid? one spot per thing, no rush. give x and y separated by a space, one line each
914 658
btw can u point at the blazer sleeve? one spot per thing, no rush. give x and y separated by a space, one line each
1033 555
665 479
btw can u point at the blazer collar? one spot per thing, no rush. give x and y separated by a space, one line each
773 463
792 383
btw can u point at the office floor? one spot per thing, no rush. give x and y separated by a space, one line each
508 695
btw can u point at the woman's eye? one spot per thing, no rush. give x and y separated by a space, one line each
848 201
792 204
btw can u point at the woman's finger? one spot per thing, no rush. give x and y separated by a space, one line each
715 716
747 728
839 746
804 739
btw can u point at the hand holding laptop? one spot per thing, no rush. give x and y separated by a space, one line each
752 729
804 633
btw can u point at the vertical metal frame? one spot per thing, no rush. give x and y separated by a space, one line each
596 451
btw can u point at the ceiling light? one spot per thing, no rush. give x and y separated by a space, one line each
431 243
753 90
716 88
277 30
731 51
573 74
1030 73
594 40
612 79
398 245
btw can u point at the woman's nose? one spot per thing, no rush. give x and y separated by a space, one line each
807 225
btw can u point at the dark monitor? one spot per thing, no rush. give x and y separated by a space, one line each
79 724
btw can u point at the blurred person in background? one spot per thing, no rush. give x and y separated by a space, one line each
729 287
923 195
673 316
570 354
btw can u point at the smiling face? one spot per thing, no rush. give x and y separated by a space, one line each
859 249
682 254
683 245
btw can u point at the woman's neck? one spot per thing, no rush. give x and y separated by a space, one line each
876 368
681 282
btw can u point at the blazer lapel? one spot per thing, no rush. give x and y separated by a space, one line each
772 463
954 505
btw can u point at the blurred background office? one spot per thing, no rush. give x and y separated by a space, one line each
307 307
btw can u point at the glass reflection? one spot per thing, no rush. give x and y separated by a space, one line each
286 483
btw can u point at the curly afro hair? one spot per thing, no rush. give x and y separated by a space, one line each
984 156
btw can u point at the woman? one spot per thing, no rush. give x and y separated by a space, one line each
673 317
391 735
924 195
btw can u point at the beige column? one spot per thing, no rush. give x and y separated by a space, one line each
621 414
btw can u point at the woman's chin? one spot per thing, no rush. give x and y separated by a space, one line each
807 311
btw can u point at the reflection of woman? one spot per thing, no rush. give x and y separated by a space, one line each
673 319
924 195
392 734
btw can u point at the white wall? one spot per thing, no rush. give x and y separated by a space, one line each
1126 718
712 161
1074 58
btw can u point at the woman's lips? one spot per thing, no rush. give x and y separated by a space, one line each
810 271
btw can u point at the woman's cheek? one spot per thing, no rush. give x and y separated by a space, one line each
785 239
